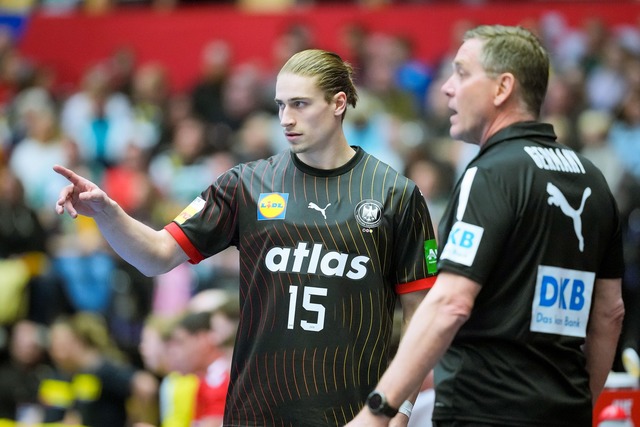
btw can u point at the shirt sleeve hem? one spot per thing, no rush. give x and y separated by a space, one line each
176 232
417 285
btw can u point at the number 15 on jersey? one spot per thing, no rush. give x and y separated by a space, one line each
313 307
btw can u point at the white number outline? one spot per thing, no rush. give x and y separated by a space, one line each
313 307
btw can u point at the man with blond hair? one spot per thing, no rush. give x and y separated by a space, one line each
330 238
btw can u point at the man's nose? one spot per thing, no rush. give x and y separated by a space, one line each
286 118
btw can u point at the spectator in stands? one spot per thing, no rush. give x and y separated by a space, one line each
625 140
98 119
21 374
435 179
256 137
206 94
103 380
149 97
129 182
605 84
180 171
625 132
122 67
382 68
43 145
242 96
194 347
224 325
373 128
153 348
593 136
29 285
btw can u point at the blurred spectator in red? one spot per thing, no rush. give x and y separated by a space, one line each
130 185
200 355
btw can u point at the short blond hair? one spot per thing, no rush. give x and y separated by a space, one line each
333 74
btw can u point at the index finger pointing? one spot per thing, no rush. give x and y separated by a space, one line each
67 173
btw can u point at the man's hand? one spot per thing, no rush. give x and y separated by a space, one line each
81 197
400 420
366 419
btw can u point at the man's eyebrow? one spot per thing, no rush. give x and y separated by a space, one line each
294 99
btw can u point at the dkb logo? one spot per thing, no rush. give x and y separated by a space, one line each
463 242
562 301
564 293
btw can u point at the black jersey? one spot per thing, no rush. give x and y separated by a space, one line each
323 256
535 224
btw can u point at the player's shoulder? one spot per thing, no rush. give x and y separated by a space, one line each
380 167
272 162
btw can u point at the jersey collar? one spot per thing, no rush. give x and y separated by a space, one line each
527 130
303 167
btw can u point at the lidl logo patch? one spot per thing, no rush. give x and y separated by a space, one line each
272 206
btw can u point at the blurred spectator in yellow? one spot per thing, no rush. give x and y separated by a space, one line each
149 97
29 287
153 348
94 376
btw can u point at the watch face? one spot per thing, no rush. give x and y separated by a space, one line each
375 401
378 405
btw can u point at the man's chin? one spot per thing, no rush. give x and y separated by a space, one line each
297 148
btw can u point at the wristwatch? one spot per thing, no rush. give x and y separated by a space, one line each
378 405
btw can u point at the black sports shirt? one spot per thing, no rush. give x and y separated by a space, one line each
323 256
535 224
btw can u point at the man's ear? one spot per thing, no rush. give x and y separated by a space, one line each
340 101
505 88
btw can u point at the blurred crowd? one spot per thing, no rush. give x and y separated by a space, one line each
154 151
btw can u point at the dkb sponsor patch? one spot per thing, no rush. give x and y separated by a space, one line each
562 301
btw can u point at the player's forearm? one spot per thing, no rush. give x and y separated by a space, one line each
151 251
600 348
429 334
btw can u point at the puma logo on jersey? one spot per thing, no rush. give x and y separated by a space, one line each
319 209
556 198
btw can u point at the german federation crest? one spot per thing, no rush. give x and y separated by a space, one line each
369 213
